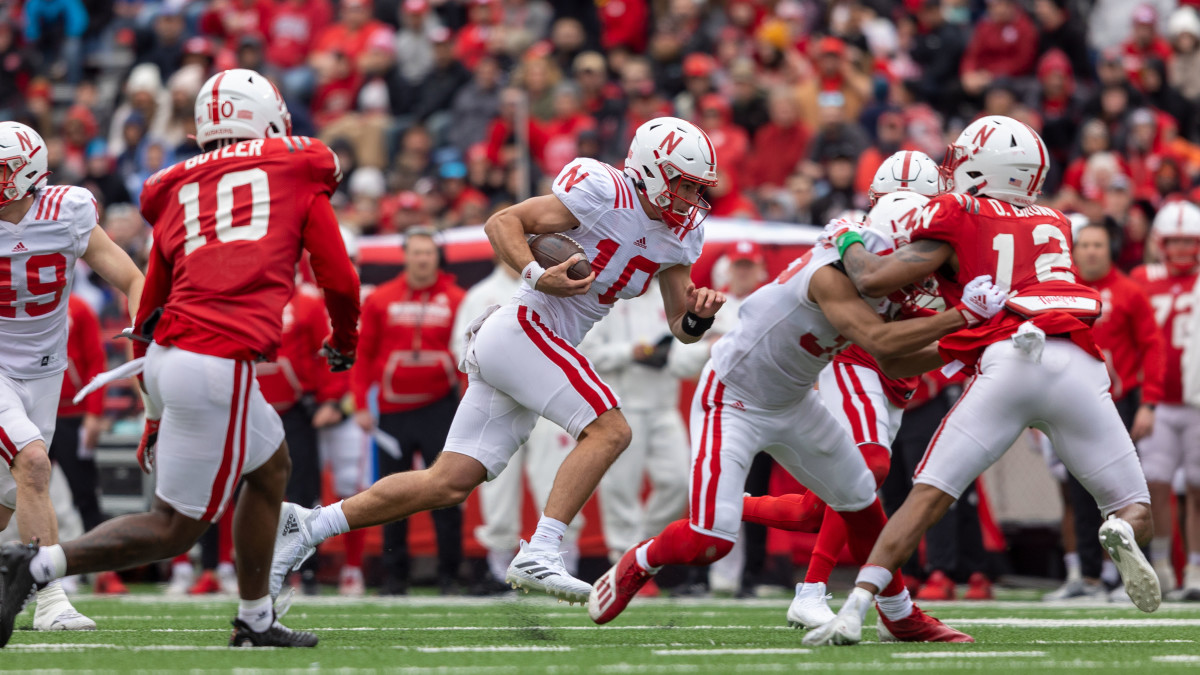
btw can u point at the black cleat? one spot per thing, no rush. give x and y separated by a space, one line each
278 635
16 584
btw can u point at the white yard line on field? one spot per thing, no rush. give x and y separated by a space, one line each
1176 658
965 654
493 648
721 651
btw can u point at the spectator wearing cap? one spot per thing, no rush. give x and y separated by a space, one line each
643 103
937 49
403 211
1144 41
836 73
1003 44
780 144
162 44
1183 70
602 98
229 20
436 92
459 199
78 129
471 41
144 95
623 25
200 50
349 35
381 96
477 103
1061 111
55 29
1058 30
698 72
730 141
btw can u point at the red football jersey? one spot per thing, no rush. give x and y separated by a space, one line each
1024 250
229 226
1171 298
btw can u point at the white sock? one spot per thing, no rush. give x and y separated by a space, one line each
498 560
549 535
1074 569
860 601
644 562
330 521
48 564
1160 549
182 569
1194 559
258 614
225 569
1108 573
896 607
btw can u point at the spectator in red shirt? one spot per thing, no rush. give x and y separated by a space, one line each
337 88
1144 42
1003 44
292 30
460 200
780 144
730 141
623 25
350 34
562 132
232 19
404 349
836 73
471 42
728 199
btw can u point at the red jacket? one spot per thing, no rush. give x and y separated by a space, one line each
298 368
1129 337
85 360
1004 50
777 151
404 346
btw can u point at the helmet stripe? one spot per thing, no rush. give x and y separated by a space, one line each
215 113
1041 159
904 168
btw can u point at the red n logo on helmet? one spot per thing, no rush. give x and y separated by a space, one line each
670 143
23 139
981 137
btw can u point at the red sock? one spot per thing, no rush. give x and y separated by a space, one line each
225 536
830 543
679 544
181 558
796 513
354 541
862 529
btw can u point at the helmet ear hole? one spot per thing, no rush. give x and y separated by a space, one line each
974 174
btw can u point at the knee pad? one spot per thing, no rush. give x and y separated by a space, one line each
879 460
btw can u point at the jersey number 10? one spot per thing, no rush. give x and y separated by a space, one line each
253 226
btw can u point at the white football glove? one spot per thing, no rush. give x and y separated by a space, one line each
839 233
981 300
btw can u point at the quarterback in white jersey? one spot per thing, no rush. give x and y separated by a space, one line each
43 231
521 361
757 394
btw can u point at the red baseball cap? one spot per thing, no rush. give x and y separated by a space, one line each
831 45
699 64
416 6
746 251
408 200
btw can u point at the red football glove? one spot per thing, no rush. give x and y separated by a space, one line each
146 448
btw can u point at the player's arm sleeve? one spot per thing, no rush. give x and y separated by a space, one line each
92 359
324 167
362 375
155 291
586 186
334 272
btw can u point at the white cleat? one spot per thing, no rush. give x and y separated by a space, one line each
810 607
846 627
1141 581
1077 590
60 615
293 543
1191 585
538 571
1166 575
182 577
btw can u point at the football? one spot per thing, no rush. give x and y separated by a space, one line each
553 249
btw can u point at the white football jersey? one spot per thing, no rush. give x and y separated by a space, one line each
37 266
625 246
782 340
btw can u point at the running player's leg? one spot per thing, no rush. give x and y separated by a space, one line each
24 443
620 492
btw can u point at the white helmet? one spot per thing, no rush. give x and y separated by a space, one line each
907 170
23 166
666 148
240 104
893 216
1177 219
998 157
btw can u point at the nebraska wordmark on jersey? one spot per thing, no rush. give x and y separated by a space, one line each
37 263
625 246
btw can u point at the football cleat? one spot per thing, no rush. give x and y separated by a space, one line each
292 543
979 587
17 586
207 584
616 587
1141 581
918 627
534 570
810 607
61 616
350 583
227 579
1191 585
846 627
278 635
1075 590
182 577
937 587
1166 575
109 583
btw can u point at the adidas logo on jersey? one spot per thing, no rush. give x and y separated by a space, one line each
291 526
739 405
19 248
640 243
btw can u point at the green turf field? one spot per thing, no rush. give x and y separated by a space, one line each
530 634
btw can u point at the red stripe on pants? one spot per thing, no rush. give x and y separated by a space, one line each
714 459
579 358
865 401
698 467
593 399
217 495
848 403
7 450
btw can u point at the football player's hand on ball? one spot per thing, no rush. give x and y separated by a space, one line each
704 302
147 446
981 300
338 362
554 281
